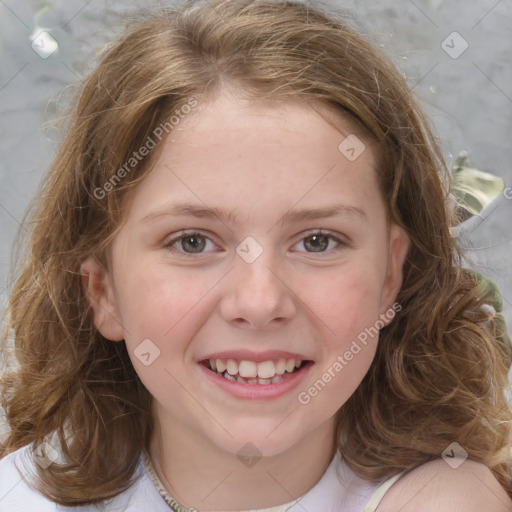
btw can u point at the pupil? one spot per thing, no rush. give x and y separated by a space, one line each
194 243
318 242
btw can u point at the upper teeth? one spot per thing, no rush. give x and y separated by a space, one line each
252 369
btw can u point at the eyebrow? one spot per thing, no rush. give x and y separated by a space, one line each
292 216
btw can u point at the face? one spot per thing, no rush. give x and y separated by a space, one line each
252 260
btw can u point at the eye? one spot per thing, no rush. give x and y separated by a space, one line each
319 242
189 243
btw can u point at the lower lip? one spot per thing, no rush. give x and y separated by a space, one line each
258 391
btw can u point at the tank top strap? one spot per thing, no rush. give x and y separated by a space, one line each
380 492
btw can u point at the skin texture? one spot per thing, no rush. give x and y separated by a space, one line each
258 162
437 486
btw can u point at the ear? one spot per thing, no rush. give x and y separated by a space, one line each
399 244
99 291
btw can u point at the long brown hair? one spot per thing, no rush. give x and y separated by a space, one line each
439 373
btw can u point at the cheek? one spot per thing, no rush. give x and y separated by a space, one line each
349 308
347 300
156 303
160 313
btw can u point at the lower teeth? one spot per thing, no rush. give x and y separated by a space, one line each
261 382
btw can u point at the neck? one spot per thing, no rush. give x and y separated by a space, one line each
203 476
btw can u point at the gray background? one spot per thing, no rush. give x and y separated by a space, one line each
468 98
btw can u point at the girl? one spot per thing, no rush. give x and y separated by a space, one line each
241 291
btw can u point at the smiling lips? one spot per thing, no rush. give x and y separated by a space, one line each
252 372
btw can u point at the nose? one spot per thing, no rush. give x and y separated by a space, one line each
257 296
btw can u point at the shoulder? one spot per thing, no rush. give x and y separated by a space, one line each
15 492
18 468
435 485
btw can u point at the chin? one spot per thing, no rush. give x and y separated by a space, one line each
256 443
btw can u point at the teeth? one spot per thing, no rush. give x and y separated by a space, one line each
266 370
253 381
249 368
251 372
281 366
232 367
290 365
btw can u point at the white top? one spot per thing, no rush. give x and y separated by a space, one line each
339 490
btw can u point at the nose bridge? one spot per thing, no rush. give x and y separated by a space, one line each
257 279
257 295
254 258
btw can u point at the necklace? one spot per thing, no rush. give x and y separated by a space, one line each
175 506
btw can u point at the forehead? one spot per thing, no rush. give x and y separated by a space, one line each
228 117
228 149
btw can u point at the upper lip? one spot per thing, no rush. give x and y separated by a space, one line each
249 355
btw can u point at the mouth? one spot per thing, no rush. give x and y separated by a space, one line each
254 373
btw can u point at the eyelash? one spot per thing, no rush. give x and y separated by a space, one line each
170 244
